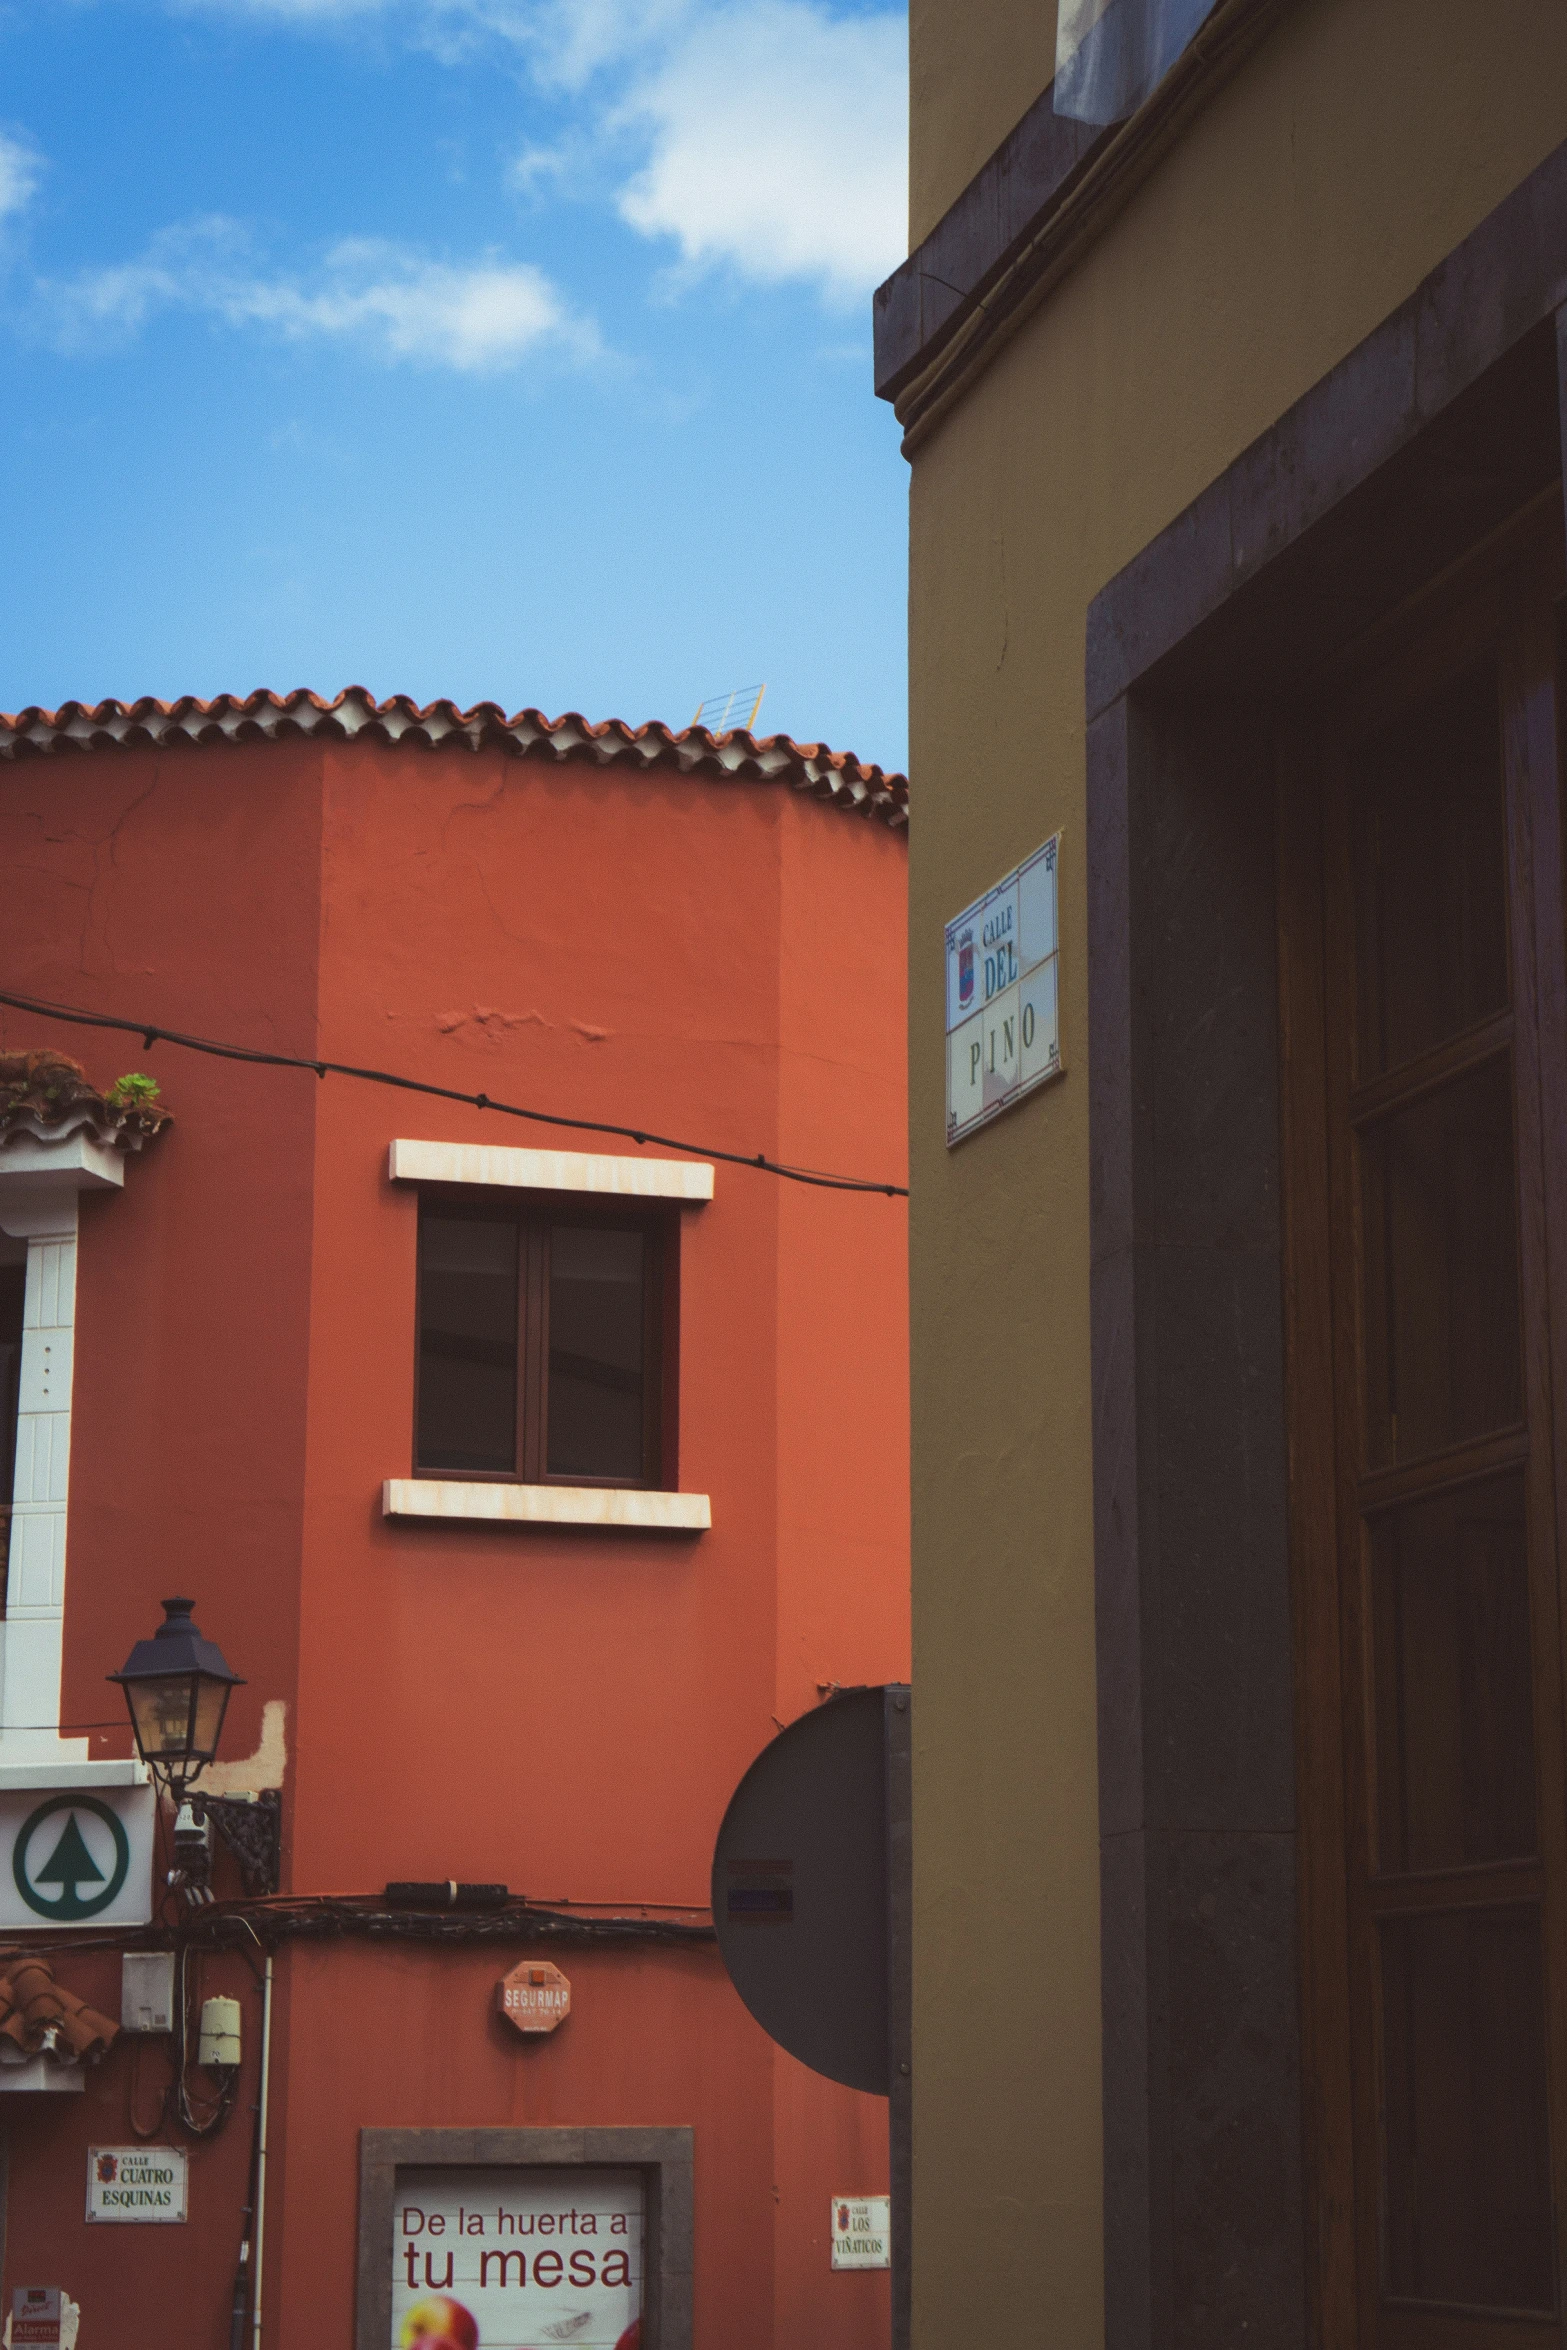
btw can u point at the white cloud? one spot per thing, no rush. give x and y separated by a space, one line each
778 145
574 40
569 165
570 40
763 136
18 175
477 317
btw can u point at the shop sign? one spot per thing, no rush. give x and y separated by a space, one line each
1003 996
137 2182
862 2231
76 1859
516 2257
535 1996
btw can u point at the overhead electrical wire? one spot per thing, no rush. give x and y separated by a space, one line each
153 1032
275 1918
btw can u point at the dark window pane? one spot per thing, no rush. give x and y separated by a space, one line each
596 1342
13 1288
1467 2187
1430 881
1442 1331
1455 1717
467 1344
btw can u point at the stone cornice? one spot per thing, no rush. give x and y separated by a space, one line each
1026 219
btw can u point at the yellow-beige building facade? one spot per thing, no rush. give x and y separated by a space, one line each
1234 429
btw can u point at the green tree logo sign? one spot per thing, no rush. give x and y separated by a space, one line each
40 1863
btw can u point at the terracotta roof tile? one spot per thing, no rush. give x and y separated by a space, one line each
45 1094
39 2016
833 776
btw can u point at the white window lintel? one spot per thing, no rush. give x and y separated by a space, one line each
519 1170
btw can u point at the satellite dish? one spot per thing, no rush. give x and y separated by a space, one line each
802 1877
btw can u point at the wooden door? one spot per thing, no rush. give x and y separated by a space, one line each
1425 1082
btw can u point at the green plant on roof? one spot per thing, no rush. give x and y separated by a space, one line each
133 1092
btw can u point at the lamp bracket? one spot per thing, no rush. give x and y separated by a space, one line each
252 1828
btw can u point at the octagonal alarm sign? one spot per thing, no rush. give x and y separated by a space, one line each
535 1996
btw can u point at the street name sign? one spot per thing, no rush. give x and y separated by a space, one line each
139 2183
862 2231
1003 994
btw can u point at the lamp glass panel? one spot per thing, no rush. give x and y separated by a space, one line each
212 1697
162 1712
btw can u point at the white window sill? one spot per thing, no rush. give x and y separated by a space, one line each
629 1509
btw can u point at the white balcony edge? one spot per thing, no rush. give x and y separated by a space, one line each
66 1772
518 1170
34 2076
618 1508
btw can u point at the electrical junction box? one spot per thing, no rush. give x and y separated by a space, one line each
219 2032
147 1991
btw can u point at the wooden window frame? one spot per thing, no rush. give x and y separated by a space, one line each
531 1213
1503 602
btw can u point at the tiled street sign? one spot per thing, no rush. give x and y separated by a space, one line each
862 2231
1003 1011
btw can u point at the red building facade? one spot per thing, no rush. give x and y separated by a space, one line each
534 1650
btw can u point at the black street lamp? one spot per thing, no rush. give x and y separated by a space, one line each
177 1687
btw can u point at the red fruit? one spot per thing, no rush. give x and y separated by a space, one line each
631 2339
440 2323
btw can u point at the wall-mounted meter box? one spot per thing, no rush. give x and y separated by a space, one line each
219 2043
147 1991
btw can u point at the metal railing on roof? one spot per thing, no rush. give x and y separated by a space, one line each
721 713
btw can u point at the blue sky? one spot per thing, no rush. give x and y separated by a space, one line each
514 350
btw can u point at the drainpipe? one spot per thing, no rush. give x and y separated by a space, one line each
261 2153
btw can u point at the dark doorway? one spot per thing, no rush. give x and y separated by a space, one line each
1425 1133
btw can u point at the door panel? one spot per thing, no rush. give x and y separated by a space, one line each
1453 1697
1467 2204
1440 1244
1412 845
1431 924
